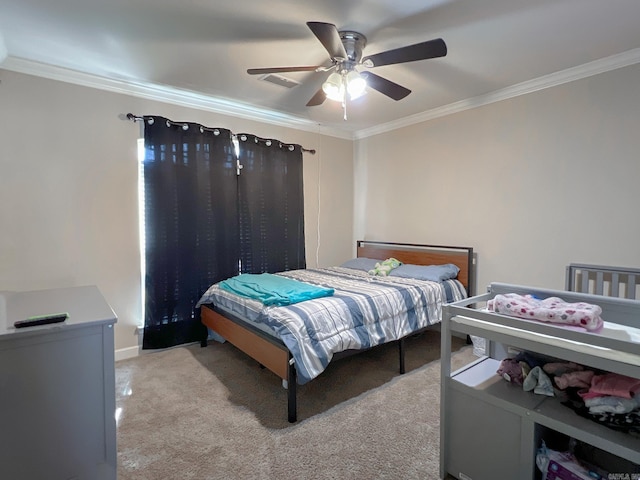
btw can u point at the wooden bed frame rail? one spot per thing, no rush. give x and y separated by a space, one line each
269 352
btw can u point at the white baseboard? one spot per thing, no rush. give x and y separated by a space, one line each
125 353
130 352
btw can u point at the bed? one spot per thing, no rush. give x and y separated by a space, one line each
280 337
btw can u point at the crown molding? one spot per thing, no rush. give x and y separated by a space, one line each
171 95
238 109
596 67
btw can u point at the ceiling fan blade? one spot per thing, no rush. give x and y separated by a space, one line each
258 71
419 51
387 87
328 35
317 99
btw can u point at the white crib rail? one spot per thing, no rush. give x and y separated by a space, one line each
609 281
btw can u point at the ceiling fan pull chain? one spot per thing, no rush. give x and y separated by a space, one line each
344 97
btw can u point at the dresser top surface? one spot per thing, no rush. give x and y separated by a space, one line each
85 305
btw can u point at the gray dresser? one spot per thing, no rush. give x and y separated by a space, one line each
57 387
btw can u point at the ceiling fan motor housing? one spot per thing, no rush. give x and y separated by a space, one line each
354 44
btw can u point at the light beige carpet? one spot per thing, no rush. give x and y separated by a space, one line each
212 413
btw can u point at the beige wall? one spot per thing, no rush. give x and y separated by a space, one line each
532 183
68 190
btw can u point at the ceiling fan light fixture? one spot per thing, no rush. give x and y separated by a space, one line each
333 87
356 84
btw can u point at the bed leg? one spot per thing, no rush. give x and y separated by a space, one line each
291 393
401 353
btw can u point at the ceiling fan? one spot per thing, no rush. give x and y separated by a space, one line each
345 52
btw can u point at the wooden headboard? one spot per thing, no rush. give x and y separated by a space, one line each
418 254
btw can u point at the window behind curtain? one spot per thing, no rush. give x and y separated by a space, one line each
271 206
191 226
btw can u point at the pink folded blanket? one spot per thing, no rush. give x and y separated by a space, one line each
579 379
613 384
550 310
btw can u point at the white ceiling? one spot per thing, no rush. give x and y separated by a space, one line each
201 49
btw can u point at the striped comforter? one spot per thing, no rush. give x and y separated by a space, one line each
363 312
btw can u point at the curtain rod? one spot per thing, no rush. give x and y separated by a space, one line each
137 118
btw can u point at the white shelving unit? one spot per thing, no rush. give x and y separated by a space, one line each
491 428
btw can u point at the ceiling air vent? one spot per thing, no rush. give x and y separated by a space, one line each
279 80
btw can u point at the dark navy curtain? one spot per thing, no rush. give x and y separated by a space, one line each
206 219
271 206
191 225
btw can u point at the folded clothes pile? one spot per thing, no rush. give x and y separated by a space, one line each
608 398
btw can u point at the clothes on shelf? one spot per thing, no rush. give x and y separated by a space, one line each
607 398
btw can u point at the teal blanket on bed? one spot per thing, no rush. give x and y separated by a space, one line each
273 289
